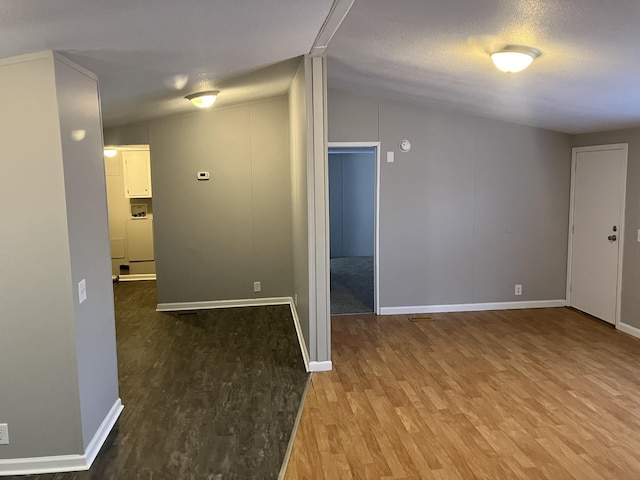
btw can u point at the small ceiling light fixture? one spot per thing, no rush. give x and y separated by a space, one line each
203 99
110 152
514 58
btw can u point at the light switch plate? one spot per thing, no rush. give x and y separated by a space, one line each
82 290
390 157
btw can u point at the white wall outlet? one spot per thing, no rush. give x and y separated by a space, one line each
257 286
390 156
4 434
518 289
82 290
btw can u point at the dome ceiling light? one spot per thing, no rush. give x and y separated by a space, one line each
514 58
203 99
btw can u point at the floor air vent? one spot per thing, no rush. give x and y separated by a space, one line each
421 318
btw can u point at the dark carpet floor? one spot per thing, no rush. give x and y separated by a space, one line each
209 396
351 285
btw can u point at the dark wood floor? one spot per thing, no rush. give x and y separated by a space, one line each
213 395
520 394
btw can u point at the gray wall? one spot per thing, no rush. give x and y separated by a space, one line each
298 121
38 377
630 311
58 368
475 207
214 238
132 134
86 202
259 149
352 177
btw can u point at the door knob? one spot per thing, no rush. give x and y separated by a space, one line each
613 238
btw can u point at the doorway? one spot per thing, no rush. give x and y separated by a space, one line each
353 227
594 273
130 208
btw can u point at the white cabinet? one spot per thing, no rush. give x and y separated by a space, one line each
137 174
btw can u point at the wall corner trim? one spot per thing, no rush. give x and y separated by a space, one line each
472 307
64 463
321 366
626 328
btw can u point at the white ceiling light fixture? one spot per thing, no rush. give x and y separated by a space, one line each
110 152
514 58
203 99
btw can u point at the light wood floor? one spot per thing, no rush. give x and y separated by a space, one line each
520 394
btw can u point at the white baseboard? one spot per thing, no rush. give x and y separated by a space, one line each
623 327
247 302
303 345
320 366
64 463
37 465
103 432
135 277
472 307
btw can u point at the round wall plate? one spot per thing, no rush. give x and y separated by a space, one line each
405 145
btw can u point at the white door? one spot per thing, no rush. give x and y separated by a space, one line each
595 263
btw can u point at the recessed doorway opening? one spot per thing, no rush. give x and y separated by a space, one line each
353 226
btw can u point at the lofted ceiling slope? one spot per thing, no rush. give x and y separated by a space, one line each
437 53
148 54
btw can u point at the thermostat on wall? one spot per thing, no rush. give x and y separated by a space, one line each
203 175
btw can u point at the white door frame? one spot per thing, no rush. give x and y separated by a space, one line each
621 233
376 221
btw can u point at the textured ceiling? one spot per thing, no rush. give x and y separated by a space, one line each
148 54
436 53
144 51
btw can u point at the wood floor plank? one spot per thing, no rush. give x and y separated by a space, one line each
519 394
